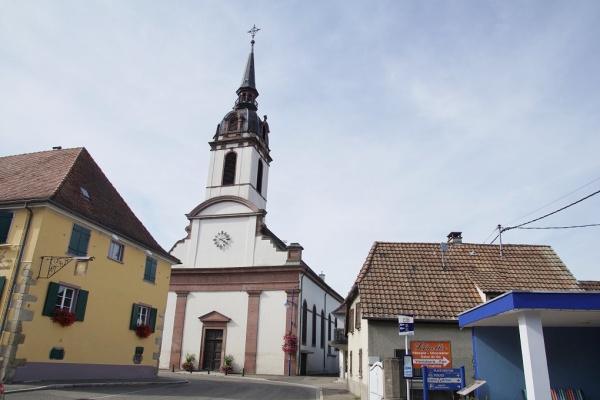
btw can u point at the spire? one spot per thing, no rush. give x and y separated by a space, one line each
247 92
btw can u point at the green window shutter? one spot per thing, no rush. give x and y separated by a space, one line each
5 220
80 238
134 313
150 270
153 312
2 281
50 303
82 298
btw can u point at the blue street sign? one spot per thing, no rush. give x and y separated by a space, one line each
442 379
406 325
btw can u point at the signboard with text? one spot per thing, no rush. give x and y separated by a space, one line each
444 378
406 325
431 354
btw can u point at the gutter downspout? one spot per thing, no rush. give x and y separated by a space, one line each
16 270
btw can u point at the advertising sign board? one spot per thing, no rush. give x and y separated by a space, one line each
431 354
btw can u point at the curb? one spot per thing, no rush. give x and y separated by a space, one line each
94 384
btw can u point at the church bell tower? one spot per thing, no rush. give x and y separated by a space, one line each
239 158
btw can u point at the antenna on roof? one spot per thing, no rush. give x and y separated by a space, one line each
444 248
500 236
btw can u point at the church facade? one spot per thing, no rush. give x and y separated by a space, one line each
240 289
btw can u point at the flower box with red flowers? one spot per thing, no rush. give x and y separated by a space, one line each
64 317
143 330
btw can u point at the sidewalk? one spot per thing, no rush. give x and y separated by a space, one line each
331 387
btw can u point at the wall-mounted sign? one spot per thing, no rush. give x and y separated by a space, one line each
431 354
407 366
406 325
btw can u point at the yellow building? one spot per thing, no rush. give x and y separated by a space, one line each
81 279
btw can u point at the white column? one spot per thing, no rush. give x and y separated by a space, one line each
535 365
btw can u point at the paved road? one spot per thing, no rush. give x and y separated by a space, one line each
200 387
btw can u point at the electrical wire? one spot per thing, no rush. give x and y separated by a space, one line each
568 194
520 226
560 227
552 213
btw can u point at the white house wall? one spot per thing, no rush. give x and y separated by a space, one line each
358 339
167 337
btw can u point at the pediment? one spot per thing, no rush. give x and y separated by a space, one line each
214 316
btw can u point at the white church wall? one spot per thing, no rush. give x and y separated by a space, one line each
319 359
233 305
265 253
271 328
167 337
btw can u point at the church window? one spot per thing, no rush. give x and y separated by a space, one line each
233 122
322 329
229 168
259 177
304 322
314 327
329 334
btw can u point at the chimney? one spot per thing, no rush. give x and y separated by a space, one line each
322 276
455 238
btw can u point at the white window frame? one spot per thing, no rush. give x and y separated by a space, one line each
63 297
119 255
143 316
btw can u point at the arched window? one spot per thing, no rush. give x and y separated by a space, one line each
304 322
329 333
229 168
233 122
322 329
314 327
259 177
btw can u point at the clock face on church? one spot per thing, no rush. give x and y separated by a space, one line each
222 240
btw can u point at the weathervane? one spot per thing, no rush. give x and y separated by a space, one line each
253 33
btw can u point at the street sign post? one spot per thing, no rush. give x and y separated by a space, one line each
406 326
442 379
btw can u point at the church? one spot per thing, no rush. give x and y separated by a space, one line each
240 291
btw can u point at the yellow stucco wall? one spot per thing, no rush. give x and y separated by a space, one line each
104 336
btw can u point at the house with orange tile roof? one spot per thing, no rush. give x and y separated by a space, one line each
434 283
83 284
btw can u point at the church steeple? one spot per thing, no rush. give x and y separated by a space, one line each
240 154
247 92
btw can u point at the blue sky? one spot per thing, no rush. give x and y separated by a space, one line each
390 120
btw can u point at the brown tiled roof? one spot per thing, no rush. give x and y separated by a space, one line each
411 278
57 177
590 285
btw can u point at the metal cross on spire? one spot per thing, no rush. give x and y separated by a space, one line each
253 33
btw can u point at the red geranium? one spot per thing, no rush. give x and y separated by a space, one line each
143 330
63 316
290 343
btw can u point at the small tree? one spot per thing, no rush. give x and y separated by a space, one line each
188 365
227 366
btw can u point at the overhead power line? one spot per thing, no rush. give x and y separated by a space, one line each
559 227
520 226
568 194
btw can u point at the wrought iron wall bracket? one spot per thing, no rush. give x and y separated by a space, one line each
55 264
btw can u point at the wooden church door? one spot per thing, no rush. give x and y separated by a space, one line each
213 345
